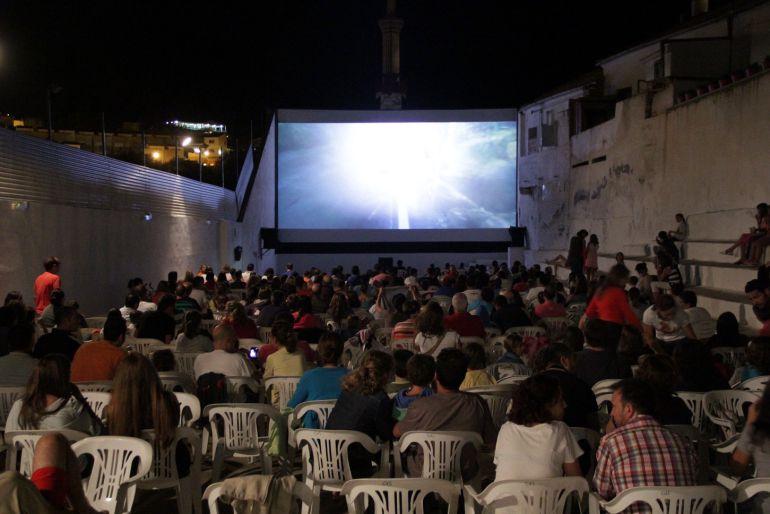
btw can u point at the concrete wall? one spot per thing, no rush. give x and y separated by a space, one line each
100 249
707 158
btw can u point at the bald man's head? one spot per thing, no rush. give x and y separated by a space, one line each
225 338
460 302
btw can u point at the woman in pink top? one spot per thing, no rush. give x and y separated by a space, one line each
592 257
304 317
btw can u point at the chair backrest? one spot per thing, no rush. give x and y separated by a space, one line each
398 495
8 395
512 379
97 400
604 386
185 362
321 408
726 409
99 386
498 398
164 458
465 340
669 500
173 381
531 331
556 326
503 370
492 332
747 489
700 446
247 343
327 460
264 333
694 402
284 386
441 452
404 344
732 356
214 496
444 301
544 496
96 322
146 345
240 423
22 447
116 460
236 387
189 409
755 385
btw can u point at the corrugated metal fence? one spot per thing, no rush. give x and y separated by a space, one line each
37 170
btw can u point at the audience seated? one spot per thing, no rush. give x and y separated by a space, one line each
130 307
659 371
476 375
599 360
757 361
184 302
556 360
420 371
303 316
514 349
52 402
461 321
276 306
666 324
401 380
727 332
64 339
159 324
700 320
286 361
97 360
762 217
550 308
757 291
48 316
536 435
406 329
640 451
17 366
193 338
244 327
433 336
449 409
697 370
507 314
753 448
225 358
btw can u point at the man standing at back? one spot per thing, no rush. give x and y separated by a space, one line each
640 452
577 246
47 282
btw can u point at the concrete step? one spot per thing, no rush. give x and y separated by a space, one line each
705 250
717 301
717 275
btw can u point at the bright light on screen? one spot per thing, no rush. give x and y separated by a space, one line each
448 175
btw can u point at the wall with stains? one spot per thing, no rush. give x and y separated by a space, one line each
708 158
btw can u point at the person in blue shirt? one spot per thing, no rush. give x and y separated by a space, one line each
420 370
323 383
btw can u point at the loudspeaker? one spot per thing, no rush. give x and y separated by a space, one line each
269 237
518 235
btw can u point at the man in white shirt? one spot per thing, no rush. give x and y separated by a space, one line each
130 307
701 321
198 293
225 358
666 322
17 366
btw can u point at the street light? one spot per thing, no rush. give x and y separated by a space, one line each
186 141
155 155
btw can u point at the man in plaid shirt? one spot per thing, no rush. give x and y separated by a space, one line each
640 452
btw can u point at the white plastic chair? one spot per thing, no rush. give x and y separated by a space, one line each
22 447
8 396
189 409
592 438
247 343
726 409
236 388
530 331
398 495
747 489
97 400
545 496
498 398
325 457
383 335
264 333
755 385
404 344
444 301
146 346
322 410
245 436
466 340
700 446
512 379
663 500
441 452
185 363
492 332
604 386
213 496
111 484
732 356
97 386
163 473
173 382
507 369
556 326
96 322
284 387
694 402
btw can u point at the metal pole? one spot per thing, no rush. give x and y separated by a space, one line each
222 165
144 150
104 137
200 166
176 150
48 105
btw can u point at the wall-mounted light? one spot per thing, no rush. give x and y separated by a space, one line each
19 205
148 216
155 155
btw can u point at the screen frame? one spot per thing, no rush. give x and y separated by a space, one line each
401 116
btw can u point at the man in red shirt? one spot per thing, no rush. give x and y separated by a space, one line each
465 324
47 282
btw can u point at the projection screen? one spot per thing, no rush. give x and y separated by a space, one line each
407 170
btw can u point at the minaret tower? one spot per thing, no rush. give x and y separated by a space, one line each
391 93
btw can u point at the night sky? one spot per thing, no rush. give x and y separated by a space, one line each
235 61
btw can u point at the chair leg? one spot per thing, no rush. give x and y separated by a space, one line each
184 499
218 462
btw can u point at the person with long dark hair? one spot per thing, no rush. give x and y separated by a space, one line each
432 336
52 402
193 338
536 434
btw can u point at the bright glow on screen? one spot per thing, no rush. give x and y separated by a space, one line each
449 175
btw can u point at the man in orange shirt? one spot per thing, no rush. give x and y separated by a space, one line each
99 359
47 282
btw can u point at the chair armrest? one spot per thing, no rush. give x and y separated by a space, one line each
595 503
727 446
469 499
